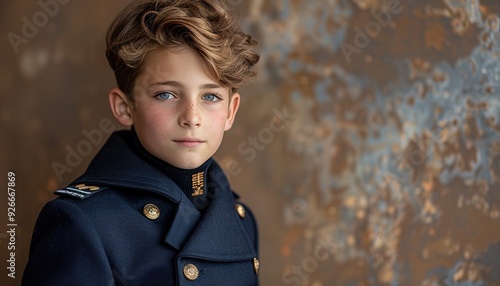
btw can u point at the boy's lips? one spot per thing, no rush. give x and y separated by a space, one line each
189 142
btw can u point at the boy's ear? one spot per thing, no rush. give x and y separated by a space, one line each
234 104
121 107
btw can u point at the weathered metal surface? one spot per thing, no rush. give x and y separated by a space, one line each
386 170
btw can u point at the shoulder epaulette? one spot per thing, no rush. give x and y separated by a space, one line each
80 191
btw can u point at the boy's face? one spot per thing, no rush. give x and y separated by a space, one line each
179 112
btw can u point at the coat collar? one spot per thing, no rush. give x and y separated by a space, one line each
119 166
218 234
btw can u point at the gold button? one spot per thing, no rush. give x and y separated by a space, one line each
191 271
256 265
240 209
151 211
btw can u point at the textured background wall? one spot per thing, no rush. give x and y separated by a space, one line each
388 169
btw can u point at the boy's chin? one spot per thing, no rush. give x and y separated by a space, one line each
188 165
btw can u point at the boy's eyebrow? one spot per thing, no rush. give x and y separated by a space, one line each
169 82
210 86
179 84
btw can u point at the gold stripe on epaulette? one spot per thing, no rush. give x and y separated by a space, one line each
88 188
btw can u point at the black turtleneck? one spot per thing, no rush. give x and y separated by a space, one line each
192 182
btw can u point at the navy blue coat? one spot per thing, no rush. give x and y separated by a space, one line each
98 234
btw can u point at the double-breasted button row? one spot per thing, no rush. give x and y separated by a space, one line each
240 209
190 271
152 211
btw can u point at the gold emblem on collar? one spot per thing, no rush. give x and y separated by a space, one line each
198 184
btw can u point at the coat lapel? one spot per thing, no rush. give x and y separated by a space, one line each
185 221
219 235
116 165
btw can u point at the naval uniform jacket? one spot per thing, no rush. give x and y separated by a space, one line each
98 231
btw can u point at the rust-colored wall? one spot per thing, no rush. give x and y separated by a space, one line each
387 171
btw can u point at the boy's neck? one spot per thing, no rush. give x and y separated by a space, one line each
192 182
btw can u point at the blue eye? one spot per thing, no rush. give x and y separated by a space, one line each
164 96
211 97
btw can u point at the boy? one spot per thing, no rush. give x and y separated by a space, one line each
153 207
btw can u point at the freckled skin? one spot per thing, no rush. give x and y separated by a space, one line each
175 99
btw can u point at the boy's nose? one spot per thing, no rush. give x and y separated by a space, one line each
190 116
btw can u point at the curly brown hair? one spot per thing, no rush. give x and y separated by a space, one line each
206 26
